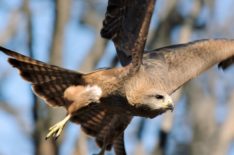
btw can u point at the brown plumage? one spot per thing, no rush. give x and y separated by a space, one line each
103 102
126 23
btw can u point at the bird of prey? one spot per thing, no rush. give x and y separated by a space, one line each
103 102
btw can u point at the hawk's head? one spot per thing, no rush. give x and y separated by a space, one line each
157 100
151 103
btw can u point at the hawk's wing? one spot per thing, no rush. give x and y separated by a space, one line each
226 63
48 82
119 146
103 125
184 62
126 23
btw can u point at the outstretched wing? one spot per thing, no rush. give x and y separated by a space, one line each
126 23
184 62
48 82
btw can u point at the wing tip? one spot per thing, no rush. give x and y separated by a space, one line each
16 64
10 52
5 50
224 65
13 62
105 34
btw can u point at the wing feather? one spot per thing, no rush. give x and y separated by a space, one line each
183 62
113 130
126 23
105 126
226 63
119 146
48 81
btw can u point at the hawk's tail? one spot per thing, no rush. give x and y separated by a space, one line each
48 81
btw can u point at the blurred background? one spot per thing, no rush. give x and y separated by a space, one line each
66 33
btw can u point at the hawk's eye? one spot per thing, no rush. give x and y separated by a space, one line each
159 97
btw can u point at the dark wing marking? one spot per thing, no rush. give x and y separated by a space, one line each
48 82
113 130
105 126
226 63
186 61
119 146
92 119
126 23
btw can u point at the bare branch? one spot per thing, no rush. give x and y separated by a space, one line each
96 52
11 27
226 134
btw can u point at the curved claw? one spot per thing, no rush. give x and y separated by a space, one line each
56 130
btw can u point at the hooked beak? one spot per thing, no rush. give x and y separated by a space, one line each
171 107
169 104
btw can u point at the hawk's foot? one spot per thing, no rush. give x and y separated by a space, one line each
57 129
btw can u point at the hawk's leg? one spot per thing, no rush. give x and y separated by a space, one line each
56 130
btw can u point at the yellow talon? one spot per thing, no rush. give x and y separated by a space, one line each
57 129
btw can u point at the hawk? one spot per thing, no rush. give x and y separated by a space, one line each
103 102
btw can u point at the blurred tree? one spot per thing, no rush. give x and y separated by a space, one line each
176 21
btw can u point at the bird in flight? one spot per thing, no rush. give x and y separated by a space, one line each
103 102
